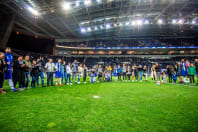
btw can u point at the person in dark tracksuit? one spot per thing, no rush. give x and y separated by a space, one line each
34 73
18 72
3 66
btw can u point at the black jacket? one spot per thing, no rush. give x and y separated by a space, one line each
157 68
34 71
3 66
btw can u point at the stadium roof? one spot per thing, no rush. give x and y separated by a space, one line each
104 19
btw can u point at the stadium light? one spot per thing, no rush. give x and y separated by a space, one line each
95 28
108 26
66 6
99 1
121 24
139 22
146 22
174 21
87 2
127 23
77 4
33 11
160 21
133 23
82 30
89 29
193 22
115 25
101 27
181 21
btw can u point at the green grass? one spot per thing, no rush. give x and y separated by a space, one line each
122 107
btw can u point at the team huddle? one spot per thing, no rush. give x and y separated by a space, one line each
23 71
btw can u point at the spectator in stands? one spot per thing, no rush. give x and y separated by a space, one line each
33 73
196 67
41 64
50 69
169 73
27 69
58 73
84 73
124 70
119 70
191 73
157 69
3 67
8 72
75 70
18 72
69 72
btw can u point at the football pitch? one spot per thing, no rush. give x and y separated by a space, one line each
101 107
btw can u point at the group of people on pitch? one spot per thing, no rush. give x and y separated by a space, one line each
22 71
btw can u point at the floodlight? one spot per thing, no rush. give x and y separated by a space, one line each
133 23
139 22
181 21
174 21
127 23
77 4
87 2
99 1
160 21
115 25
146 22
108 26
89 29
66 6
82 30
101 27
120 24
33 11
96 28
193 22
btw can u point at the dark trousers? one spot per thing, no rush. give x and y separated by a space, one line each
19 77
124 75
33 83
84 77
49 78
129 76
170 78
192 79
119 76
1 79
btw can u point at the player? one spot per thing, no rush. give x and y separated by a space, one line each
8 73
58 73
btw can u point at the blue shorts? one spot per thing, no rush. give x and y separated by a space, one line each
115 74
8 75
58 74
184 73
